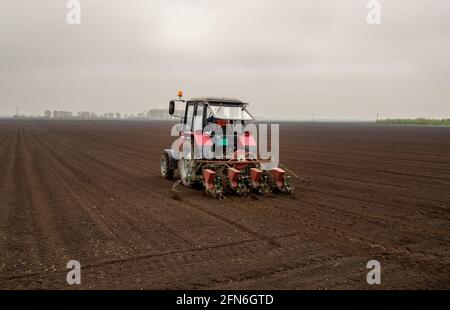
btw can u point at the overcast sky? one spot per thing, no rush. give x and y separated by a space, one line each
287 58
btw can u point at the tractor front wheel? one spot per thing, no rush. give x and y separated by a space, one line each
166 169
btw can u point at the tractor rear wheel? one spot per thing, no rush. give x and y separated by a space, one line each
166 169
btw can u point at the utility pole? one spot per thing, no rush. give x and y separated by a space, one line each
17 111
313 117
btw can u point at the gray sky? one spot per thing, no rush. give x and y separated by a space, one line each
287 58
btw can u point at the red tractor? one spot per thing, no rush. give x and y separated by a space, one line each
231 164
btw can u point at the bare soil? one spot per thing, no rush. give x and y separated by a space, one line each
91 191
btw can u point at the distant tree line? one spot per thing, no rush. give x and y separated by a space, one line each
416 121
153 114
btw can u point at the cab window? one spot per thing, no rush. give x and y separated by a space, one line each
198 119
189 116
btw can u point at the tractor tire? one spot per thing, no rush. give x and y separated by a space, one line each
166 169
185 170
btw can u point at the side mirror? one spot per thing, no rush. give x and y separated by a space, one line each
171 107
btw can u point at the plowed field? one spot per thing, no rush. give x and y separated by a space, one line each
91 191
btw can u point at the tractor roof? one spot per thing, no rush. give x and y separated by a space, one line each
217 100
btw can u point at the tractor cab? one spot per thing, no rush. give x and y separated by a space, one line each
201 111
204 116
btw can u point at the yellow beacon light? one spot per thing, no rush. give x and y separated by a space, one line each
180 94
